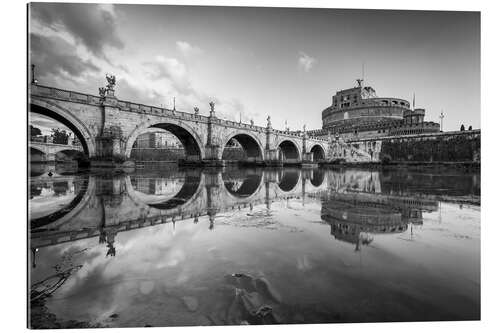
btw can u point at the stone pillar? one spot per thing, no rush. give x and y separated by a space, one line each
268 133
304 143
211 119
110 143
50 158
307 158
212 149
271 156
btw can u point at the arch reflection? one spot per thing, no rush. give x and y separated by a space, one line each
318 177
56 188
171 192
288 179
242 184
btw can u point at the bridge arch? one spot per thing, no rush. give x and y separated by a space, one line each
318 152
190 140
56 112
249 142
289 150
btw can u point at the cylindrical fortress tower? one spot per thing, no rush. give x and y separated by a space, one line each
360 105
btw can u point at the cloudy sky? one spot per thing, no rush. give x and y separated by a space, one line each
258 61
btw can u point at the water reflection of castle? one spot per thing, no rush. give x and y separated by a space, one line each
357 204
355 217
363 204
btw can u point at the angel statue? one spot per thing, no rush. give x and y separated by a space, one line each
196 110
269 121
111 81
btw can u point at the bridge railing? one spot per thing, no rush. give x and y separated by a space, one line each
77 97
63 94
142 108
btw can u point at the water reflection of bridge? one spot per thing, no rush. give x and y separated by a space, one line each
109 205
353 203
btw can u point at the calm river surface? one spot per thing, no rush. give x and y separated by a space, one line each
252 246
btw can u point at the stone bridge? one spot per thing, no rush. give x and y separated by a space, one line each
46 152
108 127
118 203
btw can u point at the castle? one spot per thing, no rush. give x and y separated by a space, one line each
357 113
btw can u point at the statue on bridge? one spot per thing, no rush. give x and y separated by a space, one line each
212 109
268 121
196 110
111 82
102 92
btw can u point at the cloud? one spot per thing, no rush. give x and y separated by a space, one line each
46 124
187 49
172 77
233 109
55 56
137 94
90 24
306 62
172 70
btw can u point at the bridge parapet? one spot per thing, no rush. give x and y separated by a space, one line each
108 128
62 94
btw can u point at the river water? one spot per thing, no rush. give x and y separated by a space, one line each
177 247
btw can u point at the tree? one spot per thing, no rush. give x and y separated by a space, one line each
470 128
60 136
34 131
462 128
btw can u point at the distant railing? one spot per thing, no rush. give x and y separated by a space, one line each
40 141
421 135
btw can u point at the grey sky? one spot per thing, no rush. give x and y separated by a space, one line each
258 61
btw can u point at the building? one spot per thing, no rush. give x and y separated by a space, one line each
157 140
358 113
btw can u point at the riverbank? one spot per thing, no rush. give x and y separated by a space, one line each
410 165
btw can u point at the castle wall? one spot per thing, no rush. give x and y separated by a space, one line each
460 147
